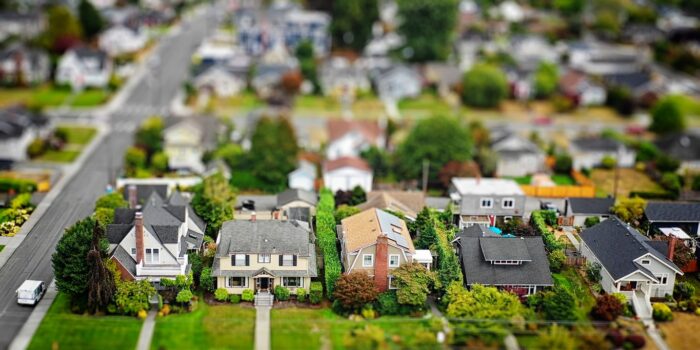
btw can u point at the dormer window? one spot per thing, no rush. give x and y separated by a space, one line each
646 262
506 262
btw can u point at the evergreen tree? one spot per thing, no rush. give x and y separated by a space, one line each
428 28
484 86
101 286
273 152
90 19
667 116
352 23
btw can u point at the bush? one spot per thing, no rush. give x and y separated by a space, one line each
37 148
661 312
615 337
593 271
142 314
563 163
355 290
608 162
557 259
559 305
591 221
247 295
683 290
607 308
316 293
17 185
325 226
301 294
184 296
206 280
234 298
221 294
539 219
281 293
165 310
636 340
671 182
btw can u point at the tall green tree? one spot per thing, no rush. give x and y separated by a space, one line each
414 282
437 139
667 116
273 152
546 80
101 286
307 64
62 30
90 19
149 136
352 23
428 27
484 86
213 201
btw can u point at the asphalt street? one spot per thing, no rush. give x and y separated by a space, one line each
32 259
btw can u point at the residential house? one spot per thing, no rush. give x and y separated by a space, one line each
630 264
682 146
21 65
297 202
121 39
509 11
313 26
268 76
23 25
443 76
339 77
348 138
220 81
375 242
581 90
596 58
303 177
408 203
520 83
151 241
517 156
186 140
345 173
642 84
84 67
486 201
578 209
260 207
397 82
515 264
18 128
260 255
685 216
589 152
529 51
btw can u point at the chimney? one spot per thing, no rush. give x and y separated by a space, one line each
252 217
138 228
381 263
672 247
131 193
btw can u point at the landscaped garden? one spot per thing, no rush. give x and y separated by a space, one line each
62 329
64 146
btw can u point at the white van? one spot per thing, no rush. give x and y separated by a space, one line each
30 292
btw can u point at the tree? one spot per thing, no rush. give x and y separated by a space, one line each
307 63
428 27
482 302
134 159
111 201
424 228
352 23
556 259
358 196
379 160
563 162
621 100
607 308
436 139
488 161
593 271
591 221
484 86
70 264
559 305
159 162
630 210
62 30
291 82
569 8
556 337
667 116
273 152
343 211
355 290
414 282
647 151
100 286
213 201
457 169
131 296
546 80
90 19
206 280
149 136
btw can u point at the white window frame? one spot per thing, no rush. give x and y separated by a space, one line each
390 282
663 278
239 262
264 258
398 260
286 279
286 262
228 282
150 255
504 200
156 254
364 261
481 203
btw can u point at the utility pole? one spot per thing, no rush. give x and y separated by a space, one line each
426 169
617 170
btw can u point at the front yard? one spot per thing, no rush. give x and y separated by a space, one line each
570 279
48 96
629 180
681 333
77 137
208 327
62 329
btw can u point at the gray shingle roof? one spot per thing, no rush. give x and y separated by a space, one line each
312 270
683 146
597 206
125 259
617 245
124 216
299 214
143 192
166 234
596 144
672 211
263 236
497 248
115 232
292 195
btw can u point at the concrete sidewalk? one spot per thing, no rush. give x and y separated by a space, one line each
262 328
146 335
24 337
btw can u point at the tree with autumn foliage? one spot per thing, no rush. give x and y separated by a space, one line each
414 283
607 308
458 169
355 290
291 82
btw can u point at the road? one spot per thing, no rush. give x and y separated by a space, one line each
32 259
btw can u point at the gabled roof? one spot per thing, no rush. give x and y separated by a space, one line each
293 195
143 191
596 144
497 248
672 212
369 129
407 202
596 206
263 236
362 229
346 162
486 186
616 246
682 146
125 259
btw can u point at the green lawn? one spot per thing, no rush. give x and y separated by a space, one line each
78 135
208 327
61 156
90 98
294 328
48 96
77 138
571 280
61 329
523 180
563 180
425 105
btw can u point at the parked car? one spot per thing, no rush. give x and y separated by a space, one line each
30 292
548 206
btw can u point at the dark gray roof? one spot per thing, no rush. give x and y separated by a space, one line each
672 212
177 211
299 214
144 191
176 198
115 232
166 234
596 206
196 219
312 270
125 259
478 271
683 146
263 202
292 195
616 246
596 144
263 236
633 81
124 216
194 239
660 246
14 121
476 231
498 248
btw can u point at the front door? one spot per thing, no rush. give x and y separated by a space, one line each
263 284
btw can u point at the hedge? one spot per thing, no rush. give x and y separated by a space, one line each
17 185
325 226
448 264
537 220
315 292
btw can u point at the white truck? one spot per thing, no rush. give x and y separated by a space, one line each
30 292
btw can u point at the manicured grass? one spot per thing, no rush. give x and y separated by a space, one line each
208 327
78 135
426 104
61 329
48 96
90 98
574 283
62 156
295 328
563 180
2 247
629 180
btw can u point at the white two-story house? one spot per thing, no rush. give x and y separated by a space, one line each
486 201
84 67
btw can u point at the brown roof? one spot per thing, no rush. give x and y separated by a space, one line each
362 229
342 162
337 128
407 202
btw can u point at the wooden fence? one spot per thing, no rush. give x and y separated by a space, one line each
558 191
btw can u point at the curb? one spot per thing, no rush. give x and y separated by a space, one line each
24 337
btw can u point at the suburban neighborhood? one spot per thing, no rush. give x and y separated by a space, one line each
349 174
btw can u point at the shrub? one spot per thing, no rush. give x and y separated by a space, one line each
387 303
557 259
221 294
142 314
165 311
206 280
281 293
593 271
355 290
591 221
615 337
695 186
301 294
37 148
559 305
563 163
234 298
607 308
636 340
697 311
608 162
671 182
621 297
17 185
539 220
316 293
184 296
325 226
683 290
247 295
661 312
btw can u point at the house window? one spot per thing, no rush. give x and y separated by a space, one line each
287 260
393 260
645 262
236 282
292 282
264 258
486 203
367 260
508 203
133 251
239 260
152 255
391 283
663 278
